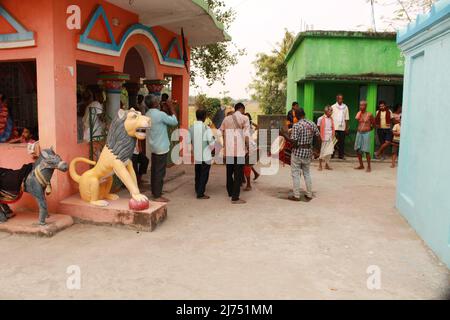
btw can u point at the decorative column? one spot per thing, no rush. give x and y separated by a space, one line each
155 87
180 93
372 95
113 82
309 100
133 91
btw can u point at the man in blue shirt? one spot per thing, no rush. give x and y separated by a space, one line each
202 140
159 143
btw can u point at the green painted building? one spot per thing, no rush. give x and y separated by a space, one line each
360 65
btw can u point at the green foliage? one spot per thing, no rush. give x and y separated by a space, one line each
211 105
269 86
213 61
405 11
227 101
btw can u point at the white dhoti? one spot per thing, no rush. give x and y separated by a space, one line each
327 150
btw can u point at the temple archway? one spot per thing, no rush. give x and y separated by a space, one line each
139 64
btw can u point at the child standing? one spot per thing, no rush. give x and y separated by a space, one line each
253 147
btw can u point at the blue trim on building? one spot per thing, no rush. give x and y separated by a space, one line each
439 12
113 46
22 33
174 44
84 38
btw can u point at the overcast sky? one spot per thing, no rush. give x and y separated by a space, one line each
260 24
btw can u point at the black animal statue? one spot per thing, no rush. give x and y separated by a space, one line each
33 179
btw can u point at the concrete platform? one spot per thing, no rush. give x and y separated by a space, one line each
27 223
117 214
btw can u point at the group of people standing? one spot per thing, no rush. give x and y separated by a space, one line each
331 131
387 125
236 129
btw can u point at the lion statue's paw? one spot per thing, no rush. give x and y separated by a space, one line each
112 197
140 198
100 203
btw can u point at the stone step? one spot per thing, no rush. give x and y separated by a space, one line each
117 214
26 223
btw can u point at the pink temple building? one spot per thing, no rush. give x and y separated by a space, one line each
50 47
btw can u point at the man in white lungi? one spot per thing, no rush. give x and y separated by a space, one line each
327 133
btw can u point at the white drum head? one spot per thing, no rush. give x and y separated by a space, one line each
278 145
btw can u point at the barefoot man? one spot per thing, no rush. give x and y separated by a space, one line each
366 123
327 133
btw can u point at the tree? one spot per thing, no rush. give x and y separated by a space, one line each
405 11
269 85
213 61
227 101
211 105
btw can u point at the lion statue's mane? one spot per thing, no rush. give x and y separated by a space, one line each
118 141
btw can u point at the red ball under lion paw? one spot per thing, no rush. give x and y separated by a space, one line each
139 205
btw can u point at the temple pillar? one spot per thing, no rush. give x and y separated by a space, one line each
372 95
309 100
180 93
113 82
133 91
155 86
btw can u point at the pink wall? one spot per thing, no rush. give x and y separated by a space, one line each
56 57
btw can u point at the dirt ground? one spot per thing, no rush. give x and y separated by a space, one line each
268 249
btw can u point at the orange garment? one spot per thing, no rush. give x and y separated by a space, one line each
247 171
294 120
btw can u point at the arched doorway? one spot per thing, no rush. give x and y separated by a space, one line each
139 65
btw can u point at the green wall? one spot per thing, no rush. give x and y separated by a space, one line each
294 67
350 56
317 55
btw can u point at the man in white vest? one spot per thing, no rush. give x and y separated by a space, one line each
341 117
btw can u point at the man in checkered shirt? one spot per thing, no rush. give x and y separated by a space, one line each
302 137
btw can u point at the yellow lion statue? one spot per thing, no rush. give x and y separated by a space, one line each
95 184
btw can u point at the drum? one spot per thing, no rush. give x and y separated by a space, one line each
277 145
282 148
255 135
218 145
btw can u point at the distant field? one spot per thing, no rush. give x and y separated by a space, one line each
252 108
